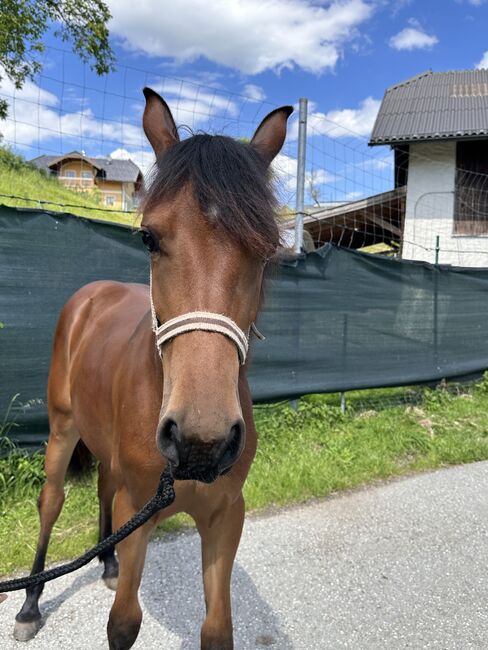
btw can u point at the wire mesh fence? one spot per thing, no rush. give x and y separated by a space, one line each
374 400
85 130
423 201
88 155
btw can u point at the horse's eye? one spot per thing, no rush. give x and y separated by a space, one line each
149 241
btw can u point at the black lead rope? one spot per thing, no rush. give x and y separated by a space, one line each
165 495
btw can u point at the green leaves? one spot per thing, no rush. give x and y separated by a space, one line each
23 24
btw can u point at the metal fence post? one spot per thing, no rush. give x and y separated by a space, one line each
300 196
302 148
436 304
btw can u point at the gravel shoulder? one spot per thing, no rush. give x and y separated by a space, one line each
398 565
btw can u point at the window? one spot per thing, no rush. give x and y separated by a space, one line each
70 173
110 200
88 175
471 197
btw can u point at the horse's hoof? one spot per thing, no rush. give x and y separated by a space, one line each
26 631
111 583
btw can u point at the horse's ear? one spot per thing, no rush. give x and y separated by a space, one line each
158 123
270 134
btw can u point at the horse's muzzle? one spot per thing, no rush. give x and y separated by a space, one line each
191 458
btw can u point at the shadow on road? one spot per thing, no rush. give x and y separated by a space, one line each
172 593
48 607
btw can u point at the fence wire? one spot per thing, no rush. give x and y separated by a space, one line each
379 399
423 201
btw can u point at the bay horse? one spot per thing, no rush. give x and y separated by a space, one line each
139 401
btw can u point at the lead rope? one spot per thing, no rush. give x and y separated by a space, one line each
164 497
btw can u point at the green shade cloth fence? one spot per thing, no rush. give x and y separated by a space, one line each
334 320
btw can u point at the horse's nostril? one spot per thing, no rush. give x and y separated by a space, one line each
168 441
171 430
235 442
235 438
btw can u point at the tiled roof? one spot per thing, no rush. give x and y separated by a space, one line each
434 106
124 171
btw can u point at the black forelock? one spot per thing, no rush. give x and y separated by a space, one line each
231 183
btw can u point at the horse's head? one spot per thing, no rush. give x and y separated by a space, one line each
209 224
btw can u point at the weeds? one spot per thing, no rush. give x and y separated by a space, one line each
303 453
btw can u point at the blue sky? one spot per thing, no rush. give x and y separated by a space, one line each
223 65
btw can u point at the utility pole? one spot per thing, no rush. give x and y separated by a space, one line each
302 148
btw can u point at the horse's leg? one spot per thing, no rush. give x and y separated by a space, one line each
219 547
106 493
126 615
62 441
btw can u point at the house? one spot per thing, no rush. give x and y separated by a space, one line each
117 181
437 125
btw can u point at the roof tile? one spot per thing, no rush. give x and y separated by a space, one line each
434 105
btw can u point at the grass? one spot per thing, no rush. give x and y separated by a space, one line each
311 452
19 179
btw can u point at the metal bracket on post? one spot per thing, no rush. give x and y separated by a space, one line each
300 197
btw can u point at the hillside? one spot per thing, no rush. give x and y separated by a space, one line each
19 179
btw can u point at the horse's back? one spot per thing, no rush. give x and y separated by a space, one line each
93 331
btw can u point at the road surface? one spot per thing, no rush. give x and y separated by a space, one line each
398 565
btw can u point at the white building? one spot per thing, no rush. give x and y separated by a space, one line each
437 125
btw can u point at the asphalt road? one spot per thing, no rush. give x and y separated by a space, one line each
399 565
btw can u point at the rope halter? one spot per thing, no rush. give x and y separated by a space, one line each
205 321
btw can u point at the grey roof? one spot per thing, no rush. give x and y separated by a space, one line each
124 171
434 106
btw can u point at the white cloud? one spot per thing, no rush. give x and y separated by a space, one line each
285 170
484 61
34 116
143 158
193 104
254 93
353 196
376 164
251 36
413 38
399 5
352 122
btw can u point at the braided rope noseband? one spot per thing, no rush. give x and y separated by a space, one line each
206 321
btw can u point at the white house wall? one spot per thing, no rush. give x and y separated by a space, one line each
430 209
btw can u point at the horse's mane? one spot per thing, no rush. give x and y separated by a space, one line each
231 182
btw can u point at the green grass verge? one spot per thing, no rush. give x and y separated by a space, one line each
17 178
307 453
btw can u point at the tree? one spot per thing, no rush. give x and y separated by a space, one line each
24 22
313 189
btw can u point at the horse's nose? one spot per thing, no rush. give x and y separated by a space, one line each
191 452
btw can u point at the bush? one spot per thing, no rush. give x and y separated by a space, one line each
11 160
